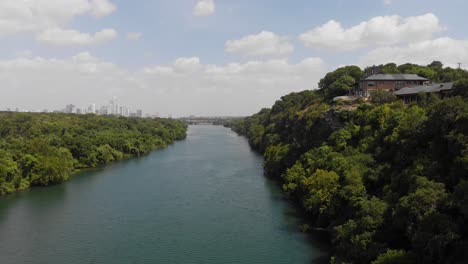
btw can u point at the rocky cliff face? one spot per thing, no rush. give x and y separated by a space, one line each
332 119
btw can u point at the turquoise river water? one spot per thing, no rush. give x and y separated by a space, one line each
202 200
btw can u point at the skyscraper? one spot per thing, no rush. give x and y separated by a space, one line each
113 106
124 111
139 113
92 109
69 108
104 110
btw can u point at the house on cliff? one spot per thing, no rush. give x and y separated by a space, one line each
389 82
406 87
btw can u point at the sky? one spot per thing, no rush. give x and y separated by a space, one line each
209 57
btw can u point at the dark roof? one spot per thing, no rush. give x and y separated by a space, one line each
395 77
435 88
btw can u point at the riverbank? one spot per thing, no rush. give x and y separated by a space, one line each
47 149
362 174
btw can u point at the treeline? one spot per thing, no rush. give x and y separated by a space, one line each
388 181
44 149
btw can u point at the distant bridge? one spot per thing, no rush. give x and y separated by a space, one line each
217 121
198 122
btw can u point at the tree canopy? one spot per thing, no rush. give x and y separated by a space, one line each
44 149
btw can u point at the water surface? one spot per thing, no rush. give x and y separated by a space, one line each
202 200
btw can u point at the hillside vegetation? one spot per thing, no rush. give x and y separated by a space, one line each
388 181
44 149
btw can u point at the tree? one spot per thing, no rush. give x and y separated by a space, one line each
340 81
461 88
382 97
389 68
393 256
407 68
341 86
436 65
276 159
106 154
356 239
294 177
10 177
255 135
53 168
322 186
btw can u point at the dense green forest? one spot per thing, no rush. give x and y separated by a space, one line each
388 181
44 149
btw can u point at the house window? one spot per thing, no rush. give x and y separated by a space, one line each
399 85
370 84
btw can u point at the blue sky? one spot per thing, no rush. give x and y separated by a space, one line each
171 30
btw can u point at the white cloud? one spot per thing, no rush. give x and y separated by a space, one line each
447 50
378 31
68 37
134 35
204 8
47 18
187 86
388 2
37 15
163 70
265 43
101 8
37 83
24 54
187 65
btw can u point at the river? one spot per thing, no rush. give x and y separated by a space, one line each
202 200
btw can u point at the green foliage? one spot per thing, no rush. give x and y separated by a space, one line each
10 176
275 158
461 87
322 187
423 71
341 81
390 68
106 154
294 177
394 257
388 180
52 167
341 86
44 149
382 97
426 198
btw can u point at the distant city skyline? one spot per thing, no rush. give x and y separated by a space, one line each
112 108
